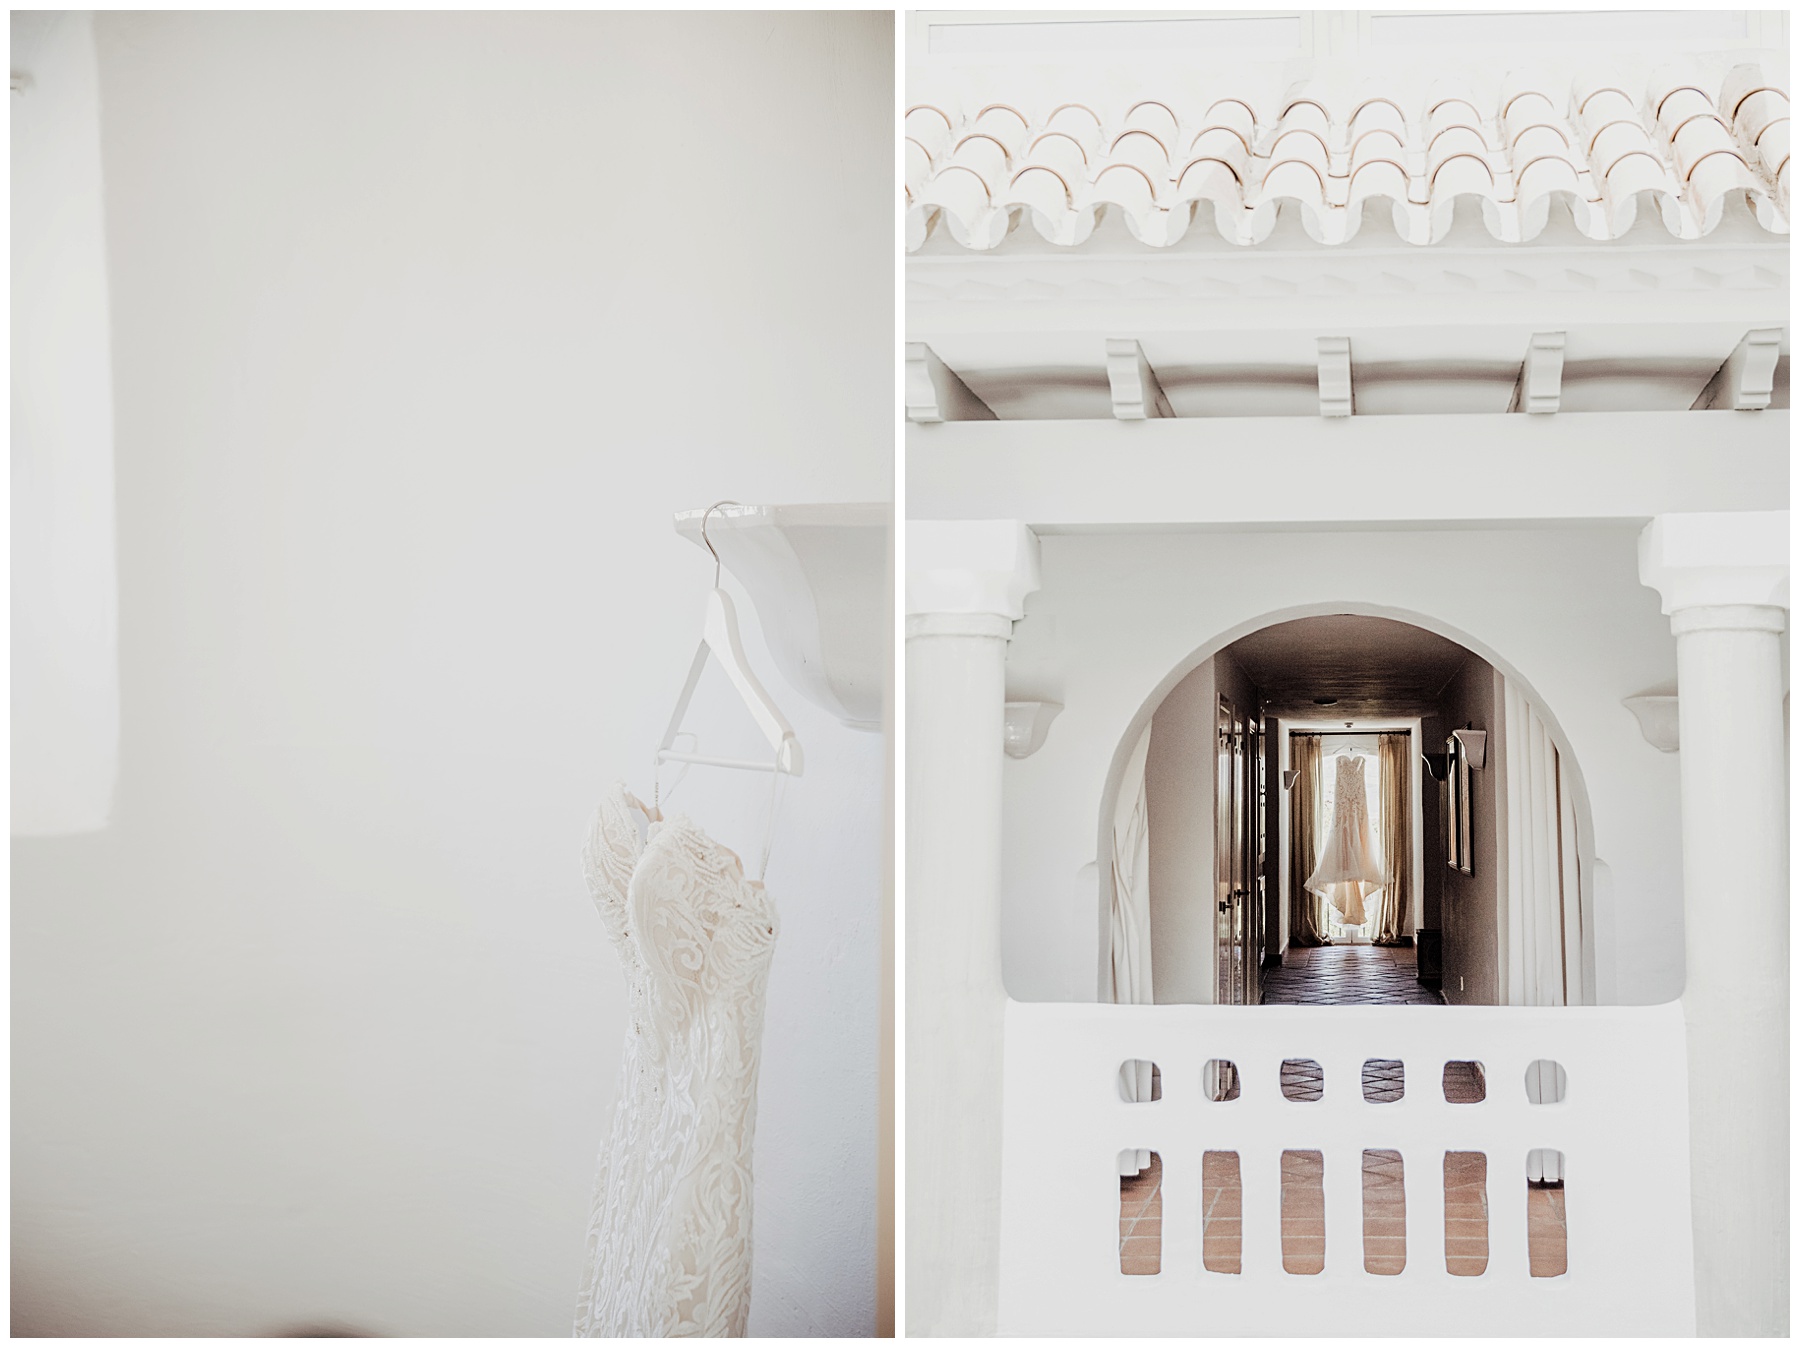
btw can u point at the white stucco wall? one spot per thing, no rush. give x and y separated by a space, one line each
424 325
1120 618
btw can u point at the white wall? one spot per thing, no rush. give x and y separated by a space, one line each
424 326
1120 618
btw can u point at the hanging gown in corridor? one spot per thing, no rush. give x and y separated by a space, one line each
1348 871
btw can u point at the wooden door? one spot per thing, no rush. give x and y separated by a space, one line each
1232 857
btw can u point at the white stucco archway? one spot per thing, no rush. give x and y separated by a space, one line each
1134 728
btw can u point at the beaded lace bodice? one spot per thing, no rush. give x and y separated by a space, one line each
668 1243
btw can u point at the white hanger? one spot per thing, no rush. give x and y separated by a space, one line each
719 639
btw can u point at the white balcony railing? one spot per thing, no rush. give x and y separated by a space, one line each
1622 1128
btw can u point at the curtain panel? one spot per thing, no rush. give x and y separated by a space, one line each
1131 921
1393 918
1306 910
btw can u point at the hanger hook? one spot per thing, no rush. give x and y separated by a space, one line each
704 539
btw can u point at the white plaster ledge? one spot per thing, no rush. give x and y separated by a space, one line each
815 574
1027 723
1658 718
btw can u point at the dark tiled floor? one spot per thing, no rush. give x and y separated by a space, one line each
1347 975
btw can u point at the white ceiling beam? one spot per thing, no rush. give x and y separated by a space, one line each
1136 394
1336 397
1575 465
1746 381
934 392
1539 389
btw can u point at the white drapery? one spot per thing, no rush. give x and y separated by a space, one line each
1549 930
1131 919
65 669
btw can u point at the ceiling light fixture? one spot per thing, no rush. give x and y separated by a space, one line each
1325 702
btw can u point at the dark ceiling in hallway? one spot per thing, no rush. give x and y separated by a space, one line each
1372 666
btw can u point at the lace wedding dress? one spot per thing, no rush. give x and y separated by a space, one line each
668 1242
1348 871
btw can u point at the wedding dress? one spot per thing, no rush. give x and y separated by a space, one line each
1348 871
668 1242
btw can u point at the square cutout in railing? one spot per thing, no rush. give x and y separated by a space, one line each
1465 1213
1140 1212
1545 1082
1546 1217
1140 1081
1221 1212
1302 1079
1465 1083
1384 1213
1219 1079
1303 1211
1383 1081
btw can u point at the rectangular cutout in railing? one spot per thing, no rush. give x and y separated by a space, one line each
1140 1214
1546 1217
1219 1078
1545 1082
1303 1211
1221 1212
1140 1081
1465 1213
1302 1079
1465 1083
1384 1081
1384 1213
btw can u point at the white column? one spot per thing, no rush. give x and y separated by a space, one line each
1724 583
966 583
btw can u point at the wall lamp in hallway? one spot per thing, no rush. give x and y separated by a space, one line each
1474 743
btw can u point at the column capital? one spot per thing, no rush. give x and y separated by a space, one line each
1717 559
969 567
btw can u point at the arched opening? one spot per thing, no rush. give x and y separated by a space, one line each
1474 882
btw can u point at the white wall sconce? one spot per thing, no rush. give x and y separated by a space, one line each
1288 777
1027 723
1474 743
1658 718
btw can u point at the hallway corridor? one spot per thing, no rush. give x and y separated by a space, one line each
1347 975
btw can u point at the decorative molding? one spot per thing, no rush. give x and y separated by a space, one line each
1269 278
1658 718
1716 559
934 392
1027 723
1136 394
981 568
1336 395
1540 379
1746 381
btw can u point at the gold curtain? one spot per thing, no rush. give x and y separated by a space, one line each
1306 910
1393 923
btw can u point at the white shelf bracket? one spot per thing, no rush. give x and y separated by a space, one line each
935 393
1335 393
1746 381
1136 394
1539 389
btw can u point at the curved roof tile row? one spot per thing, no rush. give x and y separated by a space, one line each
1687 152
